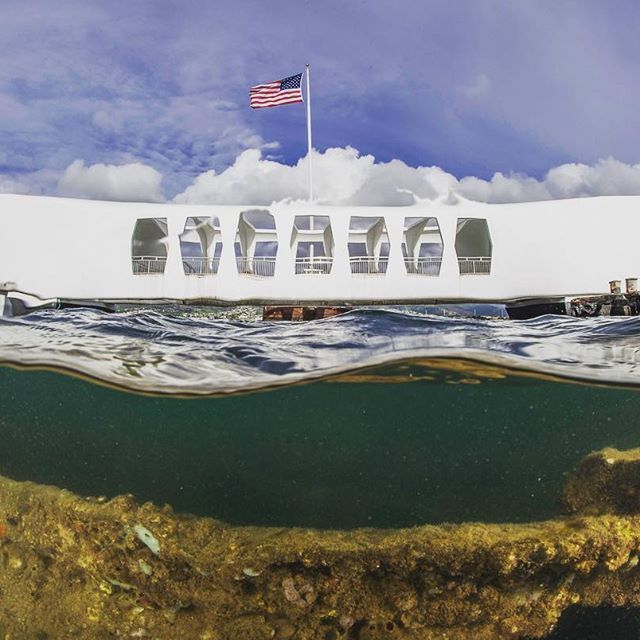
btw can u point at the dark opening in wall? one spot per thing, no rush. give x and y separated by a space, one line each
473 246
149 246
201 246
256 244
422 246
368 245
312 244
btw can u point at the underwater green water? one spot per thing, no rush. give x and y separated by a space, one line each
326 454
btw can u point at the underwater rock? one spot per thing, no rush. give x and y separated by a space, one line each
72 567
606 481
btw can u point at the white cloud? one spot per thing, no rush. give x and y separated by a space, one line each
134 182
340 176
606 177
343 176
11 185
34 183
254 180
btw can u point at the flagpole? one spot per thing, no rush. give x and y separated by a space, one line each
309 136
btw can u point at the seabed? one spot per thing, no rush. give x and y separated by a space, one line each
74 567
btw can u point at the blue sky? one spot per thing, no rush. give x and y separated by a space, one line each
473 86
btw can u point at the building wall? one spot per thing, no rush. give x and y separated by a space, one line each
76 249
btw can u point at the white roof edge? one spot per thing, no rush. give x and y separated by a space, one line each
313 206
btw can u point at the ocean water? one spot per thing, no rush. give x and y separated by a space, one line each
377 418
374 418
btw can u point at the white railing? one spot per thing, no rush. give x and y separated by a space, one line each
475 266
368 265
315 265
200 266
264 267
423 266
143 265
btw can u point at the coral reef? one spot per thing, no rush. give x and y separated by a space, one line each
73 567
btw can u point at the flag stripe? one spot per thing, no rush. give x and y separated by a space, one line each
288 94
267 84
276 104
261 94
278 97
271 90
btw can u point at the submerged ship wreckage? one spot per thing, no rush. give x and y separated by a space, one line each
73 567
542 257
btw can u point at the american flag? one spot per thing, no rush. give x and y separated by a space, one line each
276 93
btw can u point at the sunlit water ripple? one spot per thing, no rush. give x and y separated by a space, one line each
162 353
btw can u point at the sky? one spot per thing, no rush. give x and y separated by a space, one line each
496 100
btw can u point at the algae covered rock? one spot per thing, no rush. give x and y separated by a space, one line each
606 481
73 567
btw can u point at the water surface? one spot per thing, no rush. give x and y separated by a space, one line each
192 354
